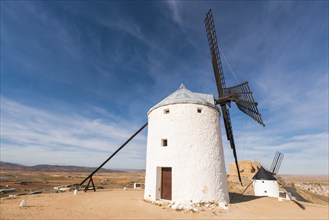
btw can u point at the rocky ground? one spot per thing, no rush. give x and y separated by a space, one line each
315 188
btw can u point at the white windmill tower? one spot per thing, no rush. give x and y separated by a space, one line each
185 159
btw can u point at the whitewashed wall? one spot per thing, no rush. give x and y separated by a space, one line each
194 152
266 188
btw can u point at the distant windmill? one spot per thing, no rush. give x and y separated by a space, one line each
264 181
240 94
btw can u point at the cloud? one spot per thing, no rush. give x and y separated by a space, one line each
175 10
35 135
127 26
108 65
303 154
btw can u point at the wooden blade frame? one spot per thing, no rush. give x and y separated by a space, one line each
220 81
277 160
229 134
242 96
216 61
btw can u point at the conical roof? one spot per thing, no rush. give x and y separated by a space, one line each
263 174
183 95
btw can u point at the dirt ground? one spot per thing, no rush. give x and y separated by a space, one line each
113 202
46 181
120 204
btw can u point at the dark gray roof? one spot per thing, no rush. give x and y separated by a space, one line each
183 95
263 174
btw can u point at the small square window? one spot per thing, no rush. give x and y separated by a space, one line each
265 191
199 110
166 111
164 142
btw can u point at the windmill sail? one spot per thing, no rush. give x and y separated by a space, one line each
229 134
242 96
213 45
220 81
277 160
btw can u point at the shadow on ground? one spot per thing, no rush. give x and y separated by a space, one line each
239 198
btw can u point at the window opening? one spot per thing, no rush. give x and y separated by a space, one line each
199 110
166 111
164 142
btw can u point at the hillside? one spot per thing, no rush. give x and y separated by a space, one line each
51 168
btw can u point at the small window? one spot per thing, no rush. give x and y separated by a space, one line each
265 191
262 181
164 142
166 111
199 110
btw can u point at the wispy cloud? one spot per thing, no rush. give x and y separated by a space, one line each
303 154
174 8
107 65
28 133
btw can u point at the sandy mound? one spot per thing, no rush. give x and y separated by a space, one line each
247 168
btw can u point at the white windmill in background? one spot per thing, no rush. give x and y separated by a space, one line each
264 181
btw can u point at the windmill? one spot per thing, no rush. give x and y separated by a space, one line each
185 158
240 94
264 181
183 123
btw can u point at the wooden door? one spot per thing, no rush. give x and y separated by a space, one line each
166 183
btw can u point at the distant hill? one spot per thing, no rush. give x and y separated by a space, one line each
51 168
10 166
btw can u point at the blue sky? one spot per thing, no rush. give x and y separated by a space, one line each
78 77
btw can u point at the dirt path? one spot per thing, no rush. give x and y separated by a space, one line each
119 204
